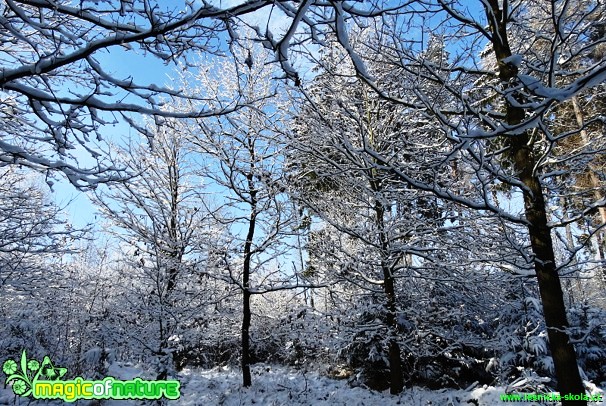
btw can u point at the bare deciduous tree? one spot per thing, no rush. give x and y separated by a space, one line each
161 219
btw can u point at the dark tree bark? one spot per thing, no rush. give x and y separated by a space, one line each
175 253
396 384
246 377
524 161
395 363
246 316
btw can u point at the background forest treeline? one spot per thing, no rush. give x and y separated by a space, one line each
396 195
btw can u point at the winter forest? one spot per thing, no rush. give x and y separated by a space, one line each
307 201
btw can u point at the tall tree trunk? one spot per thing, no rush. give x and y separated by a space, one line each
595 183
246 316
395 363
174 252
593 177
552 298
396 384
246 377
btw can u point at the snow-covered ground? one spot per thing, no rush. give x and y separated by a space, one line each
274 385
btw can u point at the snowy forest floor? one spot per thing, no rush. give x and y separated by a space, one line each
277 385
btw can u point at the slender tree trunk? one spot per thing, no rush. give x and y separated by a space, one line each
595 183
246 377
570 290
552 298
174 255
163 373
396 384
593 177
246 315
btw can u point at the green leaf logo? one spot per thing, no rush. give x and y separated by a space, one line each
19 387
9 367
23 381
33 365
49 372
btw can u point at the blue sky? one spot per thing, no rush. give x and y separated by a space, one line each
144 70
124 64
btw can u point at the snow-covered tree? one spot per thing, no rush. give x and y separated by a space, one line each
62 89
59 96
34 238
510 106
515 145
161 217
375 232
32 228
243 159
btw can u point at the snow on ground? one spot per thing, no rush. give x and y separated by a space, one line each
275 385
281 386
